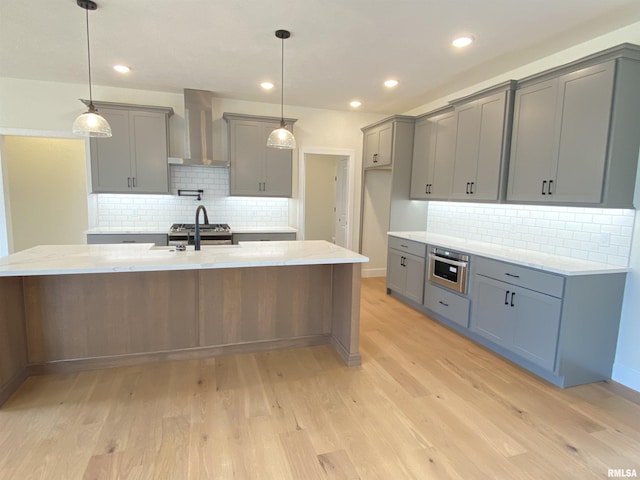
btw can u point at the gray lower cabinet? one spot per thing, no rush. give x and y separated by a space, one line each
518 319
254 168
563 328
433 155
447 304
406 268
576 133
135 158
98 238
263 237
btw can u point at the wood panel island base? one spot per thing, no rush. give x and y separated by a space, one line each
172 305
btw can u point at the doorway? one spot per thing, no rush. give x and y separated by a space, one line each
326 194
44 192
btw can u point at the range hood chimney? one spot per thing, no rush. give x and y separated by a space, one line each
198 130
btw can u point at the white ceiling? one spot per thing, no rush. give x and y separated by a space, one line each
339 49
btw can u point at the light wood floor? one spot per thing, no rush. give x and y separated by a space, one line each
426 403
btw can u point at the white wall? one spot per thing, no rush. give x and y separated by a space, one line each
627 363
35 105
47 191
375 221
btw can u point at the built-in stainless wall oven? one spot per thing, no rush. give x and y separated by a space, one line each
448 269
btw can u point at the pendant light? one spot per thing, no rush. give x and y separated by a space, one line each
281 137
90 123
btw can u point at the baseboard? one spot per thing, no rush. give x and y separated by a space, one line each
350 359
374 272
627 376
12 385
82 364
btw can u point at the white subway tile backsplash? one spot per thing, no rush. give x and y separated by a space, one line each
160 211
597 234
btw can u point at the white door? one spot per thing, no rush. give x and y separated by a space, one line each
342 202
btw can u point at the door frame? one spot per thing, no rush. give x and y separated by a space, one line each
342 152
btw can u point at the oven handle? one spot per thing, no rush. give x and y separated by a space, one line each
448 261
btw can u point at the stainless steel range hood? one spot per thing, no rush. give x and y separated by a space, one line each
198 131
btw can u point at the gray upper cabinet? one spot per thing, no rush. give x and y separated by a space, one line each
433 155
254 168
481 146
134 158
576 133
378 146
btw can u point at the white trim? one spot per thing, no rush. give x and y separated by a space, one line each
627 376
28 132
6 238
374 272
351 154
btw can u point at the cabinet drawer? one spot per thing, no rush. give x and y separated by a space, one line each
263 237
408 246
447 304
539 281
102 238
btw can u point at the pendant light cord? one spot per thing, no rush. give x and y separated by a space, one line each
282 89
89 58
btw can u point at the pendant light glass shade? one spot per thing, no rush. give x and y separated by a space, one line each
281 137
90 123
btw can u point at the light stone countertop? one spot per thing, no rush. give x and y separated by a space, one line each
519 256
142 257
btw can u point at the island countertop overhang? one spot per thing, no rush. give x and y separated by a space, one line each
79 259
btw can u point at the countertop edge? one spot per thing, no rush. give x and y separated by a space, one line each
474 247
145 257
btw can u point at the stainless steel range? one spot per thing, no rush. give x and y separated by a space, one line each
210 234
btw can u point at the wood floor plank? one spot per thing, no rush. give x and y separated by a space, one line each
425 404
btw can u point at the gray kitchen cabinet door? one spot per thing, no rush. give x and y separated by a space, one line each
466 150
277 168
396 277
246 167
255 169
422 166
491 310
536 322
582 151
442 151
405 274
150 169
111 157
480 127
378 146
134 158
414 283
532 141
493 115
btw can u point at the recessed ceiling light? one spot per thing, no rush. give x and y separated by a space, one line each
462 42
390 83
267 85
355 103
122 68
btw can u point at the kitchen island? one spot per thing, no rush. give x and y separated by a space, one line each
73 307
